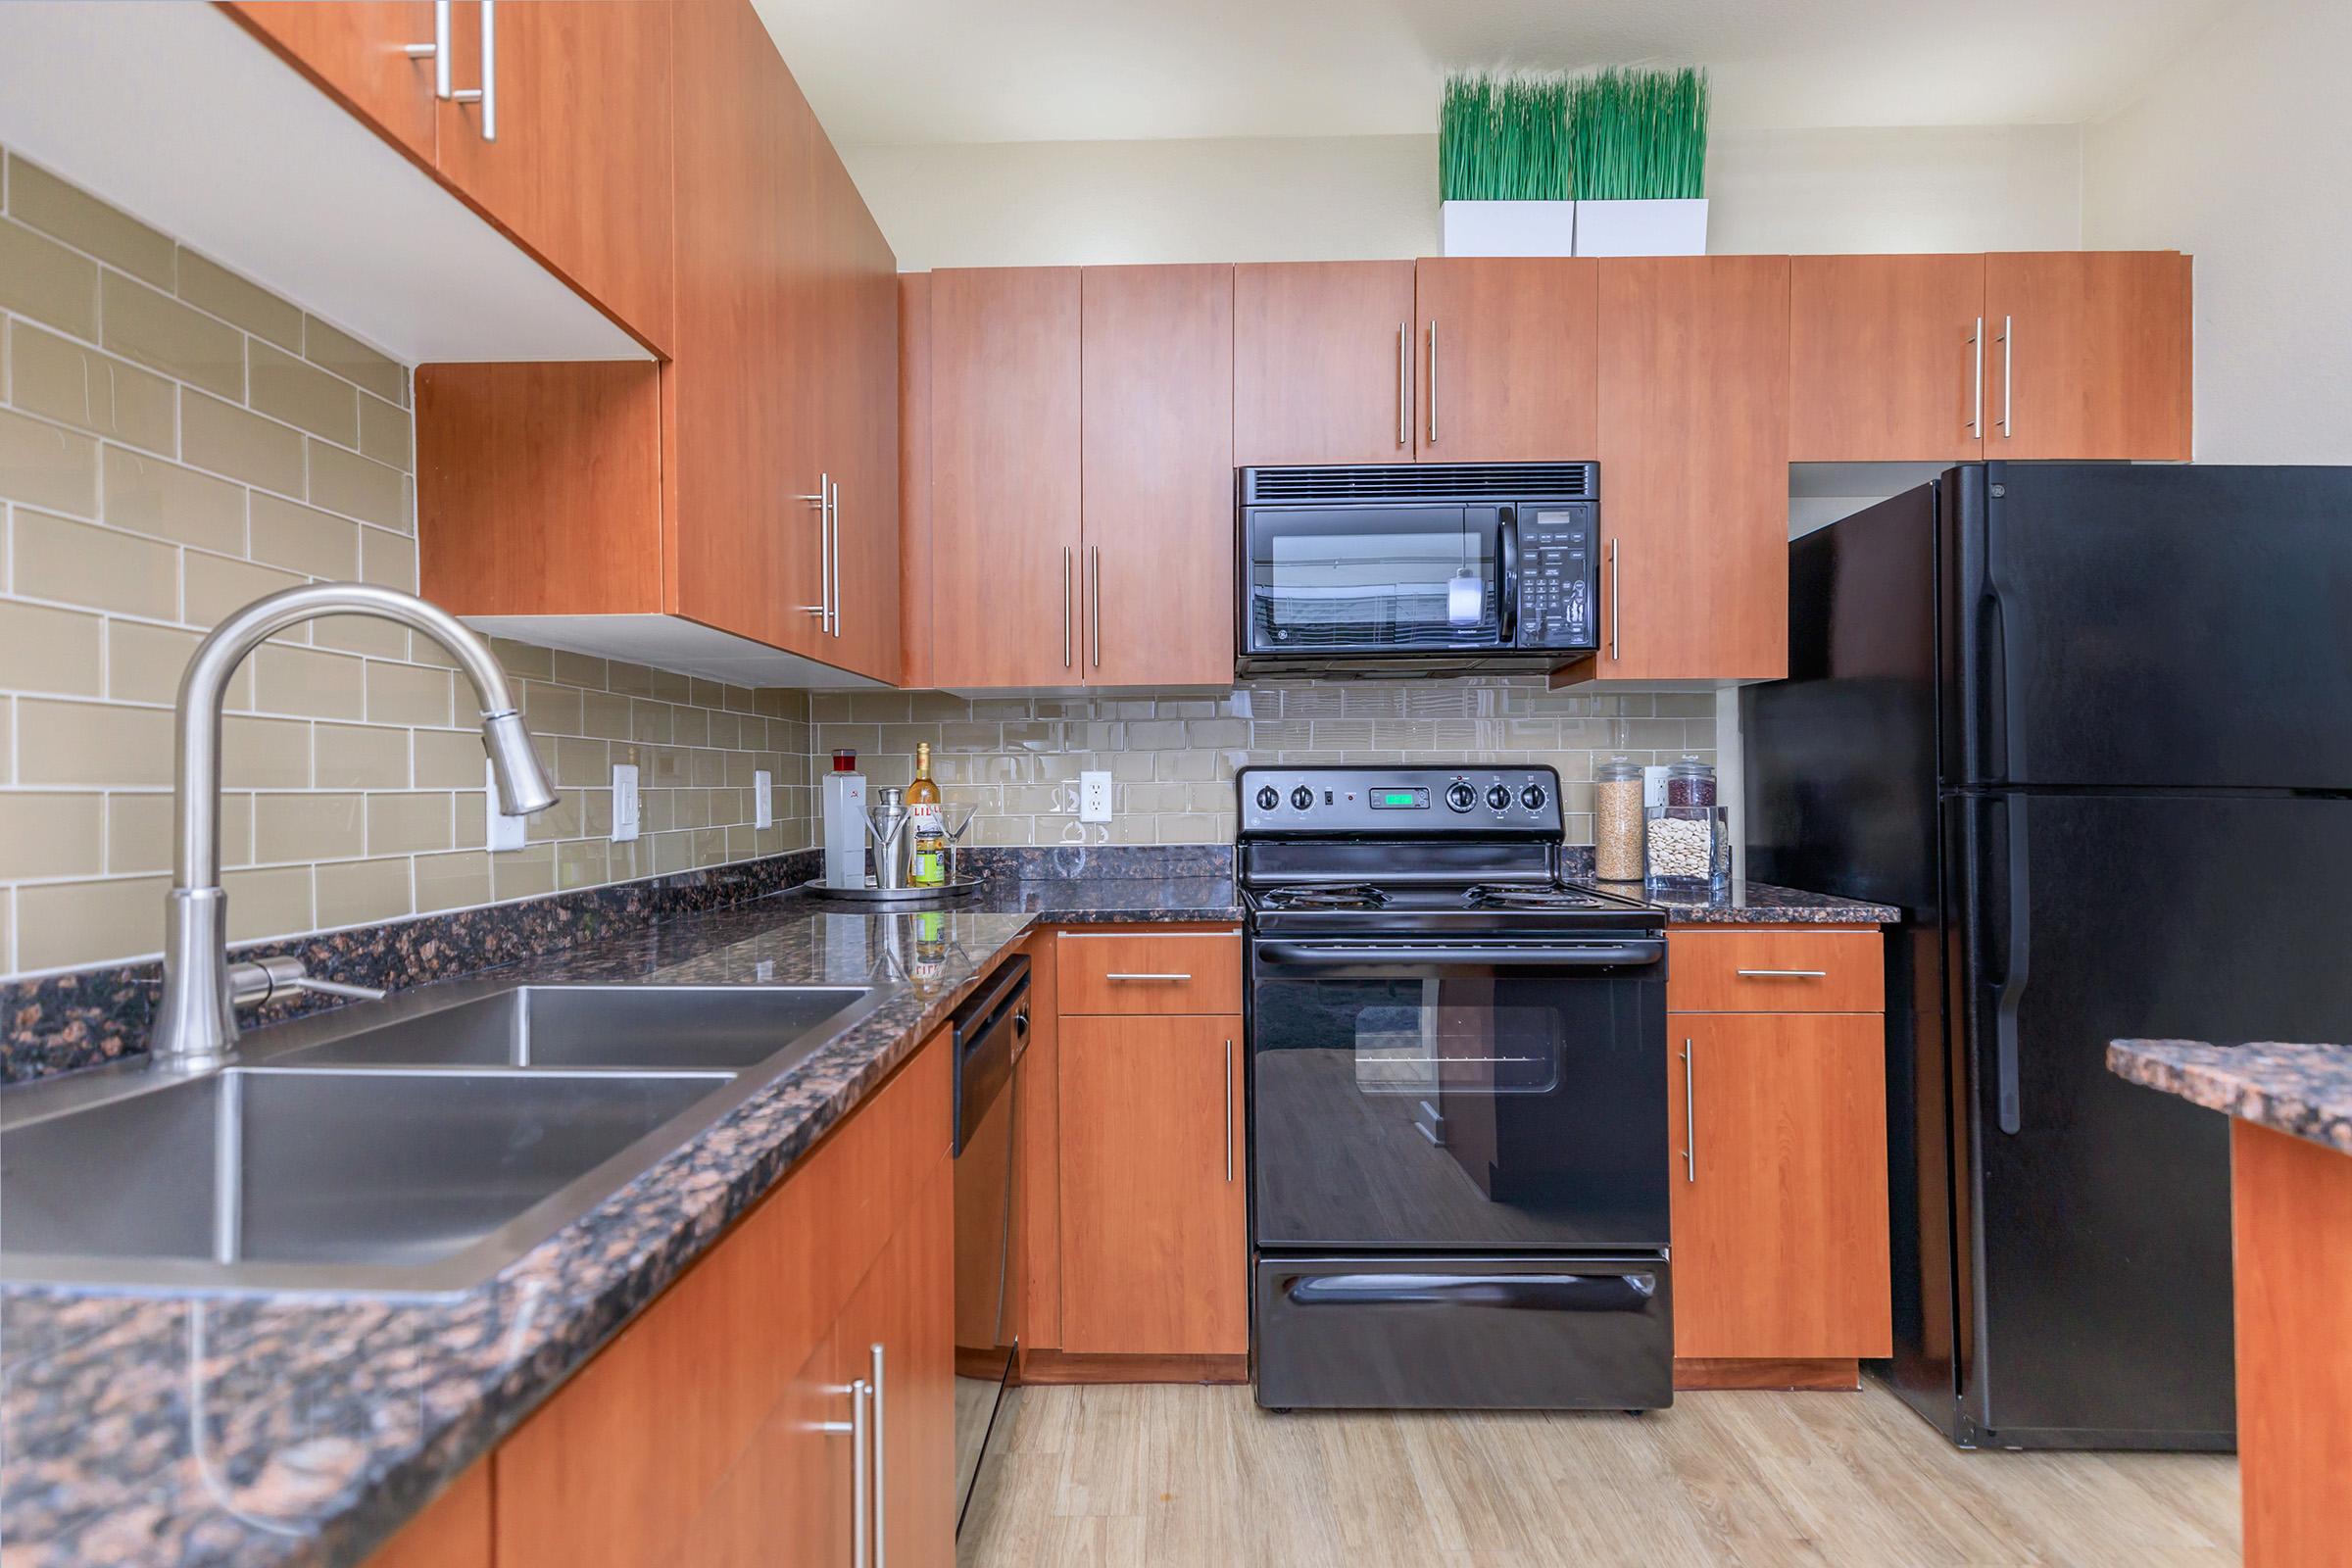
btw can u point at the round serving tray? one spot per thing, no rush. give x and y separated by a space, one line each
870 895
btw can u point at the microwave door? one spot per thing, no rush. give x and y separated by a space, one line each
1397 579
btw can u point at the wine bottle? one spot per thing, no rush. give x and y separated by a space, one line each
928 824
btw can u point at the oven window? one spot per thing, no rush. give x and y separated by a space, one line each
1435 1045
1426 577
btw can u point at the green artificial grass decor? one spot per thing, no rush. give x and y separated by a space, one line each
1639 136
1621 135
1504 138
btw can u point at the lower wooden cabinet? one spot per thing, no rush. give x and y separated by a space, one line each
898 1333
1154 1231
1778 1151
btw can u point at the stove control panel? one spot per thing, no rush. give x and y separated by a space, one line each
1403 802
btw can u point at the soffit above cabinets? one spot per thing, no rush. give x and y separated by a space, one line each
171 112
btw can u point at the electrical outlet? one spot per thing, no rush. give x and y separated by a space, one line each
763 799
624 801
505 832
1094 797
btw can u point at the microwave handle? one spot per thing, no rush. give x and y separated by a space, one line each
1506 609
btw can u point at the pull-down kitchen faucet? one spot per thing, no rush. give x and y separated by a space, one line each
196 1027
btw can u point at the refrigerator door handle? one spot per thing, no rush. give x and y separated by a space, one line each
2016 965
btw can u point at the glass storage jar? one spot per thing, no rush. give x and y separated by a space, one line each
1687 848
1690 782
1617 820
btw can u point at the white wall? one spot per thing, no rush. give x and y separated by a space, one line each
2240 153
1009 204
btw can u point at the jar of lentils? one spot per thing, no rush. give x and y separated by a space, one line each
1617 823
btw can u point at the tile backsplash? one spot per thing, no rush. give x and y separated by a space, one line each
1015 759
176 441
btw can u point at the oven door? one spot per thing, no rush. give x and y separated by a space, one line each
1505 1096
1389 579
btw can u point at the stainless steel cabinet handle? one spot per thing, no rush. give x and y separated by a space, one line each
1975 419
1433 380
833 588
1147 977
822 609
2008 361
881 1463
1614 575
1229 1111
487 93
1065 607
862 1475
1782 974
1404 383
1094 599
1689 1115
438 50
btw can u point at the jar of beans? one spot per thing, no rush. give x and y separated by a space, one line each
1617 820
1690 782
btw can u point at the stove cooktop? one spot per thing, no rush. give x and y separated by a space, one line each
1482 908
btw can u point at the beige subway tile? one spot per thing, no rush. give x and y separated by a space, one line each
217 586
7 740
92 742
286 388
388 559
152 496
291 679
387 434
272 901
42 279
138 833
581 863
65 923
472 817
39 198
182 342
213 287
408 694
43 834
46 465
82 563
449 759
360 756
550 710
361 634
605 716
523 873
317 544
144 665
355 362
578 670
690 726
452 881
226 439
403 824
519 660
265 754
91 391
596 810
309 826
346 482
46 650
582 763
562 820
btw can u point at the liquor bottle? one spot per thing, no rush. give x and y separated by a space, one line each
928 824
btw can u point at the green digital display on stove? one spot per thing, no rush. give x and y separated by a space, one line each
1400 799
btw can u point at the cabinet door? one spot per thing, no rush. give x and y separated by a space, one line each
453 1531
1158 474
356 51
1508 369
787 1501
901 1326
1693 469
1322 362
1004 506
1154 1238
1888 358
2091 358
1778 1140
856 408
580 172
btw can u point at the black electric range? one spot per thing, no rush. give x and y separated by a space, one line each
1458 1100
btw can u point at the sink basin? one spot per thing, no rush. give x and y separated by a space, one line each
631 1028
351 1179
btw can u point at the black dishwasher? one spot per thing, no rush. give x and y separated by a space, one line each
989 1034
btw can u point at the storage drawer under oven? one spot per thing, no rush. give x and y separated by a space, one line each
1487 1333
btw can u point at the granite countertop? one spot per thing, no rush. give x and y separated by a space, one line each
2301 1089
1743 903
266 1430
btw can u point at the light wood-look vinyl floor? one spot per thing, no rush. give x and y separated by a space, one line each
1181 1476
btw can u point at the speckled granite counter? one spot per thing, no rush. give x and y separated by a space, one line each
1095 900
2301 1089
1758 903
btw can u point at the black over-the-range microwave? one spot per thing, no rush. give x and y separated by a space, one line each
1418 568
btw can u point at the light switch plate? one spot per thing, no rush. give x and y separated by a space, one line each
1093 796
505 832
763 799
624 801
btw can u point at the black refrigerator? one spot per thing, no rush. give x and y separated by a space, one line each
2091 728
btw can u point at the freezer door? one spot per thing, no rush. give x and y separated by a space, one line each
2158 627
2101 1209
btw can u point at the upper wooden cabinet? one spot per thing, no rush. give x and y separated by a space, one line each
1322 362
1694 474
2090 355
357 52
1507 360
1888 356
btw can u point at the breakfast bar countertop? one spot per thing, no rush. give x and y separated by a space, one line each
2303 1088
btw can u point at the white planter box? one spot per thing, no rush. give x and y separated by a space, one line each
1508 228
1639 228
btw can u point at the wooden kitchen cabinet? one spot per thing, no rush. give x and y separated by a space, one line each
356 52
452 1532
1507 368
899 1328
1322 362
1777 1131
1154 1235
2089 356
1694 472
1888 358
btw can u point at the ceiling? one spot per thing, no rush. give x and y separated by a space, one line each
917 72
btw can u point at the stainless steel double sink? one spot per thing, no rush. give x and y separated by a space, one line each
411 1146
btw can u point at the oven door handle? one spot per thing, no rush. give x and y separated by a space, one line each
1364 955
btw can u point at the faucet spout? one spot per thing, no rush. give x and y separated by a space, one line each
196 1027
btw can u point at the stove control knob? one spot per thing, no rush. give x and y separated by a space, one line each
1497 797
1533 797
1267 799
1302 797
1461 796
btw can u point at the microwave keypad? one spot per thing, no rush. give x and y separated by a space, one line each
1554 597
